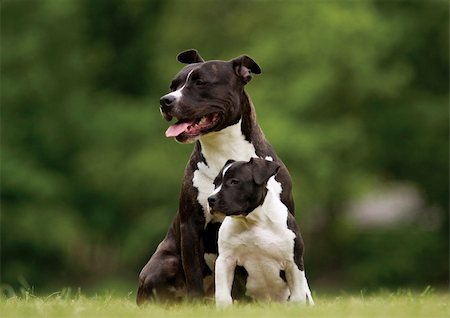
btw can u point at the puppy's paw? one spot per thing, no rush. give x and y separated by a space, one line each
224 302
299 298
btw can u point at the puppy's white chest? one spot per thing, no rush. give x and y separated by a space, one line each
264 251
269 243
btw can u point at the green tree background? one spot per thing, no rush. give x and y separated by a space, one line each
353 96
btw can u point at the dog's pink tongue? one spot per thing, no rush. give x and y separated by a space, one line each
177 129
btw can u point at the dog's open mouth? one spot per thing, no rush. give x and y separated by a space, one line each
192 128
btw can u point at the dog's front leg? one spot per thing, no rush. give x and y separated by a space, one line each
224 276
193 262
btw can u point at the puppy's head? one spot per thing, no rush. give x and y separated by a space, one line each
240 187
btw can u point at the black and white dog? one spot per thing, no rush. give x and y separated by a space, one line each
214 112
258 233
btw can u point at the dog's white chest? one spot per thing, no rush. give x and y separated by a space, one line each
218 148
203 181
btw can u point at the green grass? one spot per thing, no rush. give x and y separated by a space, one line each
63 304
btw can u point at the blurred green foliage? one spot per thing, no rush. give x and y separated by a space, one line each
353 96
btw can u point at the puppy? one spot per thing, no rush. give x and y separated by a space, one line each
258 233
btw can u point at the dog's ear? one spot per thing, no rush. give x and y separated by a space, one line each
262 170
244 66
189 57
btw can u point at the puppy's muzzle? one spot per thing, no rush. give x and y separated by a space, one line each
212 203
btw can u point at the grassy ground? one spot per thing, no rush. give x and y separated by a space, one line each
401 304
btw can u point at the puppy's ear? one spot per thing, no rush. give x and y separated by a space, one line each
262 170
244 66
189 57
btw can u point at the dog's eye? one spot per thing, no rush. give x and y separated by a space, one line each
174 85
233 181
200 82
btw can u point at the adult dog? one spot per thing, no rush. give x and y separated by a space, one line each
213 111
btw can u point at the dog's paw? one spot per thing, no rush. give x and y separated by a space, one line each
224 302
146 291
302 298
310 300
299 298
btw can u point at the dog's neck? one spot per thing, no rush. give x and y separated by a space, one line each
229 143
238 142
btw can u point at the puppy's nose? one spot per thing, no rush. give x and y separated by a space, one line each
211 200
166 101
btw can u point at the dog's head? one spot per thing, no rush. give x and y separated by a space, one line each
240 187
205 95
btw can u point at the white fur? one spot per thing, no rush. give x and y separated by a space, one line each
179 92
263 244
217 148
225 169
217 190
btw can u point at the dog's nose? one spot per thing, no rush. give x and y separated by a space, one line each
211 200
166 101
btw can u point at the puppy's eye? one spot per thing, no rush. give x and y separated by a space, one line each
233 182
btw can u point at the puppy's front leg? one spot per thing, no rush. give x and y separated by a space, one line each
224 276
298 285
